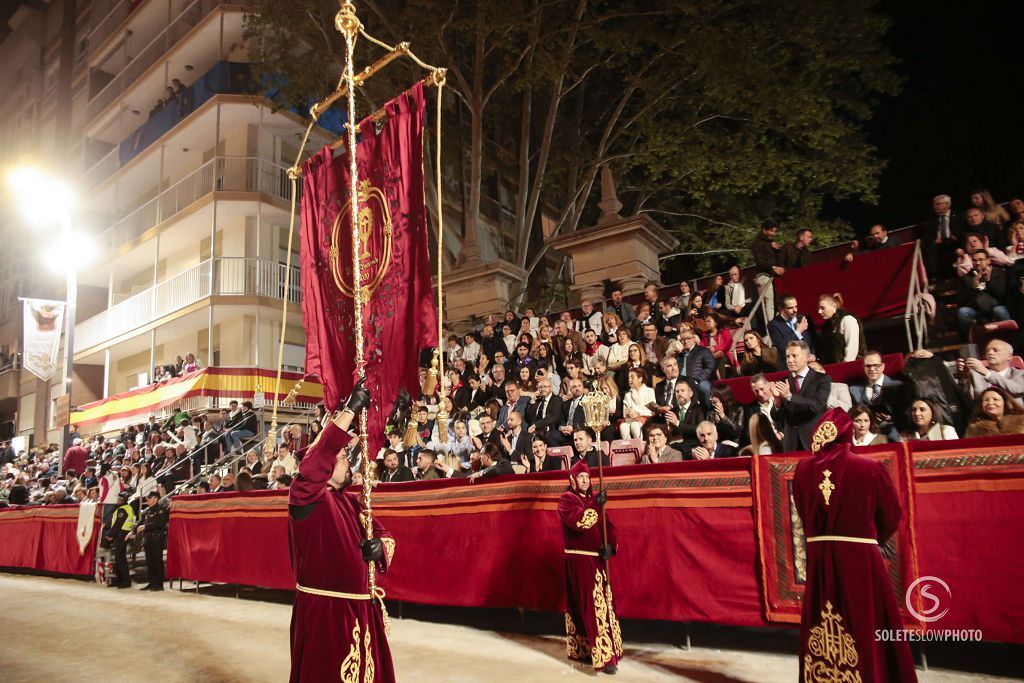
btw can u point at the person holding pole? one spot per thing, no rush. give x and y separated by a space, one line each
591 626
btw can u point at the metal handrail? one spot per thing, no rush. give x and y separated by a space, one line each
224 462
104 28
189 18
217 174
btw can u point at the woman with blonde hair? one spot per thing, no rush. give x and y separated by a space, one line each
842 336
995 214
763 438
611 324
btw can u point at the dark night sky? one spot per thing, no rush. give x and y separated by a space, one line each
954 127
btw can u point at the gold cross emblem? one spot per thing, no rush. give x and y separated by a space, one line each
826 486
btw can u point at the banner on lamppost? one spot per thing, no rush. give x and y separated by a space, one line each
43 321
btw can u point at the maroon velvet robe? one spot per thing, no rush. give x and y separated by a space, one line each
591 626
333 637
848 594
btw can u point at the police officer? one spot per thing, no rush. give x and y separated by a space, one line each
153 527
121 523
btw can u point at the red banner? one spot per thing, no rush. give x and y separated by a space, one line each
875 285
399 317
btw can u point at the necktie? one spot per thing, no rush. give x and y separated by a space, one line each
572 410
682 413
796 384
875 390
543 408
670 390
944 220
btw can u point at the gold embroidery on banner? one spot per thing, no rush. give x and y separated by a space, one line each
826 486
832 653
576 646
350 667
389 547
368 672
602 652
799 544
588 520
613 621
825 434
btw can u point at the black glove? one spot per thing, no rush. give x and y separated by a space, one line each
359 398
606 551
601 498
373 550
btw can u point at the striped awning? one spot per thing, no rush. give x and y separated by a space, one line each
226 383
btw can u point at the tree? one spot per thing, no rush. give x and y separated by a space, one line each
714 114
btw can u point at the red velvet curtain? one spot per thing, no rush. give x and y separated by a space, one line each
44 538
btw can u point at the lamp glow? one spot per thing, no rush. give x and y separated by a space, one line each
41 198
70 253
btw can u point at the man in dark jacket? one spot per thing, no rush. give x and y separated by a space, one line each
766 258
803 397
153 527
393 471
697 364
981 293
242 427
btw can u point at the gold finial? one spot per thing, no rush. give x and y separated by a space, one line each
595 409
346 20
825 434
826 486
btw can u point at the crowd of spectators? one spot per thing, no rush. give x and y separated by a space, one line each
180 366
515 386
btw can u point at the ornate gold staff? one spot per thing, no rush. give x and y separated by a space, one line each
595 412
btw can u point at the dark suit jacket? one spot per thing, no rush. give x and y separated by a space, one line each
723 451
791 257
578 420
699 366
551 417
663 396
464 398
686 432
931 229
778 416
804 410
403 473
591 458
497 469
781 334
994 293
523 445
890 401
765 258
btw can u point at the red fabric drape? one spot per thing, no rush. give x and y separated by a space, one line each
398 314
847 373
44 538
873 286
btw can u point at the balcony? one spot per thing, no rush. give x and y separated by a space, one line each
114 18
10 376
220 174
189 18
223 78
213 277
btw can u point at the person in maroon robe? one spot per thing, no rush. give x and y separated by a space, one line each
591 627
337 628
848 506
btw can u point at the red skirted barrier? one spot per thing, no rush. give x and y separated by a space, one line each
44 538
699 541
874 285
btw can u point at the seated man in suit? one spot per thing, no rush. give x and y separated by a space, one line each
544 412
515 402
393 471
665 392
571 419
998 355
803 397
488 433
707 435
789 325
493 464
697 364
584 448
682 422
883 394
515 442
658 449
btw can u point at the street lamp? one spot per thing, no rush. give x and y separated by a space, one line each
44 201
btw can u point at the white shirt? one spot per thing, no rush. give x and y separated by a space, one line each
618 353
636 400
471 352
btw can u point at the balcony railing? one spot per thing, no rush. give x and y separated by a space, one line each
117 14
232 174
214 277
189 18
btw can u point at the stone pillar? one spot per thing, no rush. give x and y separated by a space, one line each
624 250
479 290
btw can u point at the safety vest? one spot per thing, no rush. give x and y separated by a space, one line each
129 520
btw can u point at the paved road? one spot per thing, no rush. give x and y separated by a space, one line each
65 630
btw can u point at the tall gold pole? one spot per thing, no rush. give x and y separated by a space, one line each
348 24
595 409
